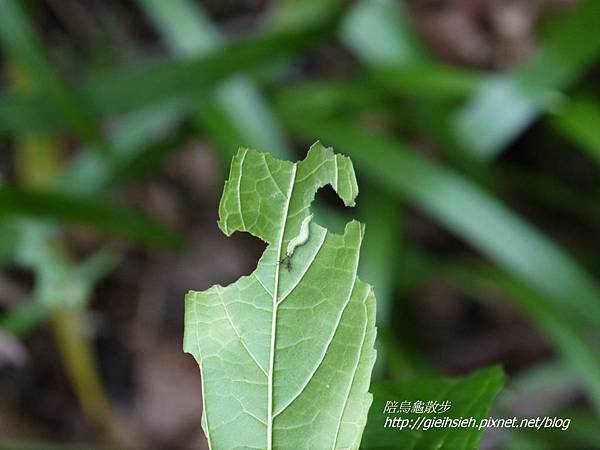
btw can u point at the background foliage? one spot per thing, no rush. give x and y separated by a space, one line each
473 127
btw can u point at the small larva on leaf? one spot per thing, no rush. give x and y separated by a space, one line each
301 238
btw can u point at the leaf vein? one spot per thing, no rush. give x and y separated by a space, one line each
238 333
356 364
337 324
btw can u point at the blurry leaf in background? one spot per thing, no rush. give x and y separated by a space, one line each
381 249
427 80
565 333
20 41
380 257
508 103
188 31
146 131
9 235
578 119
24 318
549 192
471 396
117 90
59 283
378 33
90 211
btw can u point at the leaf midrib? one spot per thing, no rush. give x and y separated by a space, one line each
274 313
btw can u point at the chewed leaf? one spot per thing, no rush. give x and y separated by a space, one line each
286 355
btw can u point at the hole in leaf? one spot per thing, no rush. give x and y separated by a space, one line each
329 210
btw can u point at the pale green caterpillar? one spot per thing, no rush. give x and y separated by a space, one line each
301 238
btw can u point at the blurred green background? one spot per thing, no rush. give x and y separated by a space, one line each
474 127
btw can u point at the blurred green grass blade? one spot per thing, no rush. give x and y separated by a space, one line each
499 110
189 32
89 211
547 376
247 110
544 376
290 12
583 429
380 248
378 261
378 32
24 318
411 73
58 284
564 334
463 208
561 329
146 160
9 235
427 80
22 44
551 193
183 25
504 106
26 113
403 361
120 90
143 133
380 35
221 131
471 396
334 98
578 120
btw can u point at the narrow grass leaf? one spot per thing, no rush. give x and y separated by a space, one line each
120 90
189 32
20 41
89 211
508 103
378 32
578 120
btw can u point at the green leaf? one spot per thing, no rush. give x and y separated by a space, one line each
18 201
120 90
470 397
566 333
563 332
240 105
427 80
9 235
380 258
286 353
378 31
578 120
59 282
508 103
19 39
